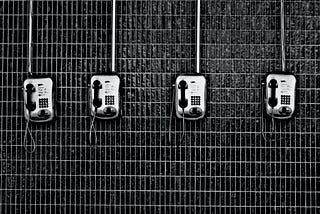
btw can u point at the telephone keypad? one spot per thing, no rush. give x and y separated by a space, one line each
43 103
109 100
285 99
195 100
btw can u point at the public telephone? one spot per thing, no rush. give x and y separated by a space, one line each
190 97
280 95
105 96
38 99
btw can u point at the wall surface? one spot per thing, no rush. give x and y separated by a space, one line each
223 165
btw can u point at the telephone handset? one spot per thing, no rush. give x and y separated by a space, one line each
273 101
105 96
97 102
38 99
31 106
190 96
183 102
280 95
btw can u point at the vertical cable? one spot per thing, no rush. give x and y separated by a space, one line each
198 37
29 69
283 63
113 135
113 48
30 38
283 51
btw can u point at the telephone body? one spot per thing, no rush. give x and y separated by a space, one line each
190 96
38 99
280 95
105 96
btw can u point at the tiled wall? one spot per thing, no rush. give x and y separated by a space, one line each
223 164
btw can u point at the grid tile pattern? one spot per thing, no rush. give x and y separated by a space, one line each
224 165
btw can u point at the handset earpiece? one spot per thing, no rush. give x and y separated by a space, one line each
183 102
31 106
273 101
97 102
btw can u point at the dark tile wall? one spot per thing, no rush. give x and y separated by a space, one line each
223 165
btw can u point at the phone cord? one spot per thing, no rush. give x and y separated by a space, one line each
92 128
183 128
171 116
26 132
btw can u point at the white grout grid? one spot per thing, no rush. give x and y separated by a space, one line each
223 166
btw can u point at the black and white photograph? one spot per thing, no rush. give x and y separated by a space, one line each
159 106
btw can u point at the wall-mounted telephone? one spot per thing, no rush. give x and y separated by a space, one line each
190 96
38 99
105 96
280 95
